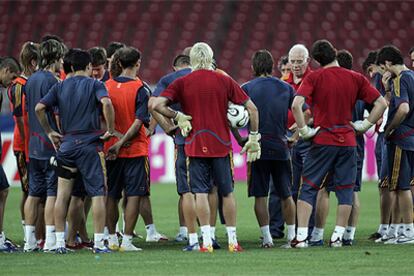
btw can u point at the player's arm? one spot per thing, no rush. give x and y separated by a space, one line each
16 99
165 123
109 116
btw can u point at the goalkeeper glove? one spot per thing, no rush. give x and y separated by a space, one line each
307 133
252 147
183 122
361 126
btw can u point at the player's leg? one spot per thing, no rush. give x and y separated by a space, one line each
349 234
24 181
182 188
276 222
4 190
213 201
40 223
74 217
51 182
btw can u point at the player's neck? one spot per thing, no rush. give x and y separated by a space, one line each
81 73
129 73
399 68
332 64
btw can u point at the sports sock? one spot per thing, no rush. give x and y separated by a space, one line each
183 231
98 240
113 240
29 233
302 233
60 239
66 229
392 230
317 234
2 239
106 233
206 233
267 237
23 224
349 233
401 229
382 229
50 236
291 232
213 232
231 234
338 233
408 230
117 226
192 238
150 228
126 240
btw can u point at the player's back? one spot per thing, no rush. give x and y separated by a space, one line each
36 87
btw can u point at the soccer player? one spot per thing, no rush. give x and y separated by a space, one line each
204 95
283 66
272 98
345 60
9 70
411 53
128 166
111 49
400 137
333 92
79 146
29 57
42 178
99 60
186 215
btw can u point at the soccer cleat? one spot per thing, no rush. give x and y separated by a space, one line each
9 241
29 248
347 242
335 243
216 245
87 245
405 240
104 250
41 243
129 248
47 249
157 237
391 240
375 236
194 247
207 249
385 239
286 246
180 238
267 245
316 243
61 250
8 247
76 246
299 244
113 247
233 248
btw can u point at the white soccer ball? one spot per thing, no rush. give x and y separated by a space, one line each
237 115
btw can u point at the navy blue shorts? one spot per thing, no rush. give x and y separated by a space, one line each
4 184
379 153
206 172
181 170
78 189
42 178
259 173
401 168
129 174
299 152
90 162
321 160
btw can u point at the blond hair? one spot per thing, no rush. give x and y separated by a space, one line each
201 56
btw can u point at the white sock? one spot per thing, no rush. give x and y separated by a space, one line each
126 240
349 233
408 230
192 238
206 233
302 233
382 229
291 232
213 232
117 226
66 229
60 239
183 231
231 234
338 233
98 240
29 233
401 229
317 234
50 236
2 239
24 231
150 228
392 230
106 233
113 240
267 238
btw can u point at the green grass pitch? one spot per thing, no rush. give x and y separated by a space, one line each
364 258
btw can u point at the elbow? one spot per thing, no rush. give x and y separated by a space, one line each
404 109
39 108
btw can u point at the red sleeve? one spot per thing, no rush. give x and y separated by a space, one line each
367 92
306 88
235 93
172 91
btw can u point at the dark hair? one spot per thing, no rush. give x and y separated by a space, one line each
345 59
50 51
67 61
181 60
370 60
282 61
262 62
79 59
98 56
128 56
51 36
113 47
323 52
115 70
30 51
390 53
10 63
411 51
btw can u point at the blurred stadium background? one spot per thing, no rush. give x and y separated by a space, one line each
234 29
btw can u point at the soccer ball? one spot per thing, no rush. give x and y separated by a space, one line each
237 115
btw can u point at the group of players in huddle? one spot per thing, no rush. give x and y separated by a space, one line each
84 120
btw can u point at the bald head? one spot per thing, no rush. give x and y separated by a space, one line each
298 59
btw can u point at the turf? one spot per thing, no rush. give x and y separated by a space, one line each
364 258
